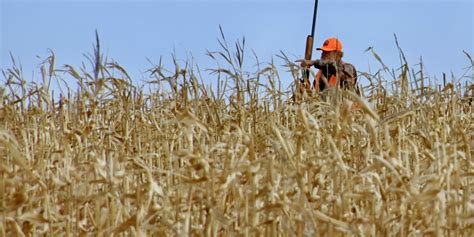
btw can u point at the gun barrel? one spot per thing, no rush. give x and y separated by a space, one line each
309 45
314 17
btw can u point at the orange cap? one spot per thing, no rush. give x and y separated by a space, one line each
331 44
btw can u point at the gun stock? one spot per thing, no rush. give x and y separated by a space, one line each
309 48
307 55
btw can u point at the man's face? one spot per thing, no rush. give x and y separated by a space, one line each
329 55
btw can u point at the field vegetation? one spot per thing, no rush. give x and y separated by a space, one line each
110 158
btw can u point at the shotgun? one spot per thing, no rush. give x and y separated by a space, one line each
309 47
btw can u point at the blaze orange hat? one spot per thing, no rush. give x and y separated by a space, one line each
331 44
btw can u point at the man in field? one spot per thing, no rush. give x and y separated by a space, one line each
331 68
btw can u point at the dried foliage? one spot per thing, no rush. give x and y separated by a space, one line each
113 159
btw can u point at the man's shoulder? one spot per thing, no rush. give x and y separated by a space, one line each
348 65
348 68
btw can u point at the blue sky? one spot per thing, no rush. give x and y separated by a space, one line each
133 31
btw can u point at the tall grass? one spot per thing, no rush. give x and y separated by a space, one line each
112 159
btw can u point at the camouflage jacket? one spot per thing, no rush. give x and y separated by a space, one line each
345 71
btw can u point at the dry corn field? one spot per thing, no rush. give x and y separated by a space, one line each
111 158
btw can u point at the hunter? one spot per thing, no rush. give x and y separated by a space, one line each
331 66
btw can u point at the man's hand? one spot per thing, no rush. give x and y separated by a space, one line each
305 63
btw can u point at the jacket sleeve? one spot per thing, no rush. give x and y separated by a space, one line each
328 66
